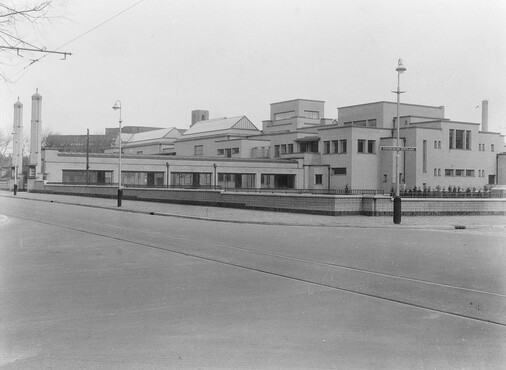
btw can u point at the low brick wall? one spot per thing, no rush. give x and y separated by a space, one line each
370 205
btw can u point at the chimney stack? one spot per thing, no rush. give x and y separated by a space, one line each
484 115
199 115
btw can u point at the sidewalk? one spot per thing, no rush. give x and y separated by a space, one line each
218 214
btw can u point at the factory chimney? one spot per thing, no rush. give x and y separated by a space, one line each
484 115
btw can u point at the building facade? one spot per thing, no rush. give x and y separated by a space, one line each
299 148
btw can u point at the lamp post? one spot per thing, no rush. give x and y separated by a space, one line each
117 106
167 165
15 160
214 166
397 199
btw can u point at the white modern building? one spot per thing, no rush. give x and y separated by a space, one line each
301 149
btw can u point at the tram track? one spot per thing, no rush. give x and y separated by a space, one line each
236 262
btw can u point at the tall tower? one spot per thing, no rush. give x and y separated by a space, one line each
35 170
17 137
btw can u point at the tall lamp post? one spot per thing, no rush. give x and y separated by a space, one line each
397 200
15 160
117 106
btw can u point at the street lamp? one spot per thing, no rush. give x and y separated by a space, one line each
117 106
15 160
397 200
214 166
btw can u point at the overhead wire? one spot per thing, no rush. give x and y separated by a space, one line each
23 71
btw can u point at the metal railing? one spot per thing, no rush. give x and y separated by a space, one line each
307 191
445 194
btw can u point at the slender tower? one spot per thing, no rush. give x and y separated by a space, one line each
484 116
17 137
35 137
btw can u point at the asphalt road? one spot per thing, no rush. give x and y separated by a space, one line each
83 287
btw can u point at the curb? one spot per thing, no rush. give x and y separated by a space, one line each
267 223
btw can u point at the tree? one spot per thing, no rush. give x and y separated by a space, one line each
16 17
5 143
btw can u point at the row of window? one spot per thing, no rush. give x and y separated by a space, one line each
335 146
318 178
228 152
460 139
283 149
459 172
481 147
287 115
363 123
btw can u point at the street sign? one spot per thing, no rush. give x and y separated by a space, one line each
400 148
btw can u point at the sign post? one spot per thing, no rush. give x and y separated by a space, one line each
397 199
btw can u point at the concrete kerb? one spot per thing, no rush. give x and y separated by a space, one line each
272 223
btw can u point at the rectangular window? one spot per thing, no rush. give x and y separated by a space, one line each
435 144
284 115
435 171
361 146
448 172
289 148
459 172
221 152
312 114
347 123
276 150
198 150
339 171
308 147
335 146
228 152
385 178
470 173
371 146
439 144
359 123
318 179
283 149
459 139
344 145
451 141
235 150
468 139
326 147
371 123
492 149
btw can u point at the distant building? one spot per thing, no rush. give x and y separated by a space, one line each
78 143
97 143
152 142
114 131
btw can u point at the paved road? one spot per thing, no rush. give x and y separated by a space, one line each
87 287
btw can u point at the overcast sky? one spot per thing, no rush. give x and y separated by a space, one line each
163 58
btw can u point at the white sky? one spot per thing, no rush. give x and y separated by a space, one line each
164 58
